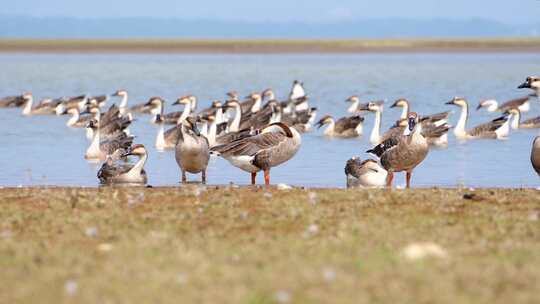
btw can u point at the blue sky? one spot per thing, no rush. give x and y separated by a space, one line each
507 11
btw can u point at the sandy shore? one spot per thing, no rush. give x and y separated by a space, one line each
228 245
269 46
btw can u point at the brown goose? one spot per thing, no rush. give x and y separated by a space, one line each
252 105
67 103
495 129
46 106
192 150
112 172
367 173
272 146
436 135
403 152
175 118
345 127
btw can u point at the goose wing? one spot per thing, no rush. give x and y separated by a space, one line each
11 101
394 131
122 141
514 103
530 123
346 123
434 131
109 170
386 145
112 114
434 117
488 127
356 167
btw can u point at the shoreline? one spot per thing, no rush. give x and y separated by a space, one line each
245 46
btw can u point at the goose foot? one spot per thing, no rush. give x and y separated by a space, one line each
203 177
408 178
389 179
267 178
253 176
184 178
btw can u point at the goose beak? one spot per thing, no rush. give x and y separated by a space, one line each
363 107
319 124
478 107
524 85
451 102
395 104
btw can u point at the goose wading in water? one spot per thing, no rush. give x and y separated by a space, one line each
495 129
516 123
436 119
123 106
403 152
46 106
377 108
355 103
367 173
492 105
114 172
192 150
274 144
345 127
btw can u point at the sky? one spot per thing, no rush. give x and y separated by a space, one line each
506 11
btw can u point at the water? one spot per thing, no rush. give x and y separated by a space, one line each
41 150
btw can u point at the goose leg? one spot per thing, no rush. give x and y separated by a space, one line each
253 176
408 177
389 179
203 176
184 178
267 178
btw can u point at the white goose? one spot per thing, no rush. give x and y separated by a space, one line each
376 107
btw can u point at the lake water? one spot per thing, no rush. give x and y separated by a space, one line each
41 150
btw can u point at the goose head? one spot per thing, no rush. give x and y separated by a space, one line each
216 104
268 94
137 150
400 102
490 104
458 101
353 99
326 119
184 100
232 95
532 82
412 120
190 124
231 103
27 96
372 106
120 93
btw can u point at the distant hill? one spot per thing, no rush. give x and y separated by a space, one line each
142 27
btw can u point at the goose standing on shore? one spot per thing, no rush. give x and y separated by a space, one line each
112 172
345 127
495 129
403 152
273 145
192 150
367 173
491 105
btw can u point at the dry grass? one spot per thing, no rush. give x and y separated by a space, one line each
269 46
195 245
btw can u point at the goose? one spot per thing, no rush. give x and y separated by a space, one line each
179 116
252 105
99 149
516 122
192 150
355 103
123 106
112 172
403 152
491 105
367 173
438 118
533 83
111 123
77 120
273 145
11 101
297 90
302 122
267 95
535 155
345 127
495 129
234 124
160 143
66 103
46 106
376 107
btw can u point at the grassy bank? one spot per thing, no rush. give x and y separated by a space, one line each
269 46
196 245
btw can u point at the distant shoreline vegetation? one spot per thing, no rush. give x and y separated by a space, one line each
261 46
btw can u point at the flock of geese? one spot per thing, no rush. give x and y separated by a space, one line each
259 132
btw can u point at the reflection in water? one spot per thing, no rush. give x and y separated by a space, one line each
42 150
